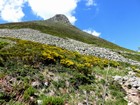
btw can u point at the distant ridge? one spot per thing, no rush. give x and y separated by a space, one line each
60 18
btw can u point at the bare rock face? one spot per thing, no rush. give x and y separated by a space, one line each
60 18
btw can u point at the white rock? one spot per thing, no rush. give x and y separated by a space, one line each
117 78
80 103
39 102
125 78
46 83
36 84
67 83
131 73
138 88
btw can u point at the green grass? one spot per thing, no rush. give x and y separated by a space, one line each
65 31
51 100
132 56
111 71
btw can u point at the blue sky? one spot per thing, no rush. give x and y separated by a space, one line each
117 21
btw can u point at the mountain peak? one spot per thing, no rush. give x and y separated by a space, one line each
60 18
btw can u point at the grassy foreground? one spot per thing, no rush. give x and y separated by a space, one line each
33 73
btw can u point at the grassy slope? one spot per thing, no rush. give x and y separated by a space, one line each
63 30
132 56
25 62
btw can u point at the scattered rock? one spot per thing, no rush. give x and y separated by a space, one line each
128 81
138 88
56 78
131 73
51 93
80 103
70 44
117 78
131 85
36 84
39 102
46 83
67 84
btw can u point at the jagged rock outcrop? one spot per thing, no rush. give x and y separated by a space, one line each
131 84
60 18
70 44
130 80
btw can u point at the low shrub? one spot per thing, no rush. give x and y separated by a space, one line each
80 79
50 100
3 44
67 63
29 92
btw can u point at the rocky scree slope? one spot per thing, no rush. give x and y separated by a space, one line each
70 44
131 84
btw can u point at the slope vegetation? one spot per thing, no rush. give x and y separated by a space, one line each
34 74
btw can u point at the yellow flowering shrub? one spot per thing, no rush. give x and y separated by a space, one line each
88 65
114 64
80 66
105 62
48 57
32 52
67 62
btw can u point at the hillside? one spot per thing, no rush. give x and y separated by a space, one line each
63 30
52 62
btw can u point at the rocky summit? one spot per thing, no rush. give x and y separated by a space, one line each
60 18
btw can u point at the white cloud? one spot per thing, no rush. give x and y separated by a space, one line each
93 32
90 3
48 8
11 10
